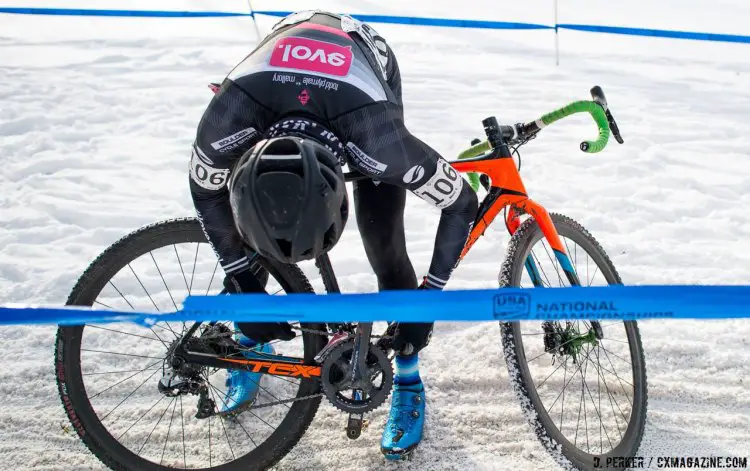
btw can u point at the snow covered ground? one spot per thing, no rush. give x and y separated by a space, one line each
97 116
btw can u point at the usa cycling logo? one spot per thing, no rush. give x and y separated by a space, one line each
511 306
312 55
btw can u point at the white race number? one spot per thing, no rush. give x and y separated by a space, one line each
443 188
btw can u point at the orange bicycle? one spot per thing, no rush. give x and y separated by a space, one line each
152 404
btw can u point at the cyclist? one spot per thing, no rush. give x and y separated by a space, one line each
319 91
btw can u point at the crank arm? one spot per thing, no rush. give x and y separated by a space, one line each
355 423
361 348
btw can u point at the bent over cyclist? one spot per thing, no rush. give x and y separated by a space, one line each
319 91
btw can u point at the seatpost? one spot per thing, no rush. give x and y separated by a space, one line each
495 137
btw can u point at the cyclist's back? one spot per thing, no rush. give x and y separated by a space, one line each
310 66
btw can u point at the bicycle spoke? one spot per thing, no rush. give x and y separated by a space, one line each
122 381
122 354
121 295
562 409
184 277
585 414
619 379
614 373
541 267
538 386
192 276
112 372
597 410
210 282
587 268
157 424
547 353
554 263
105 305
614 354
599 394
210 450
139 418
609 395
580 365
237 422
231 450
144 288
169 429
594 275
565 240
164 281
128 396
578 422
124 333
182 420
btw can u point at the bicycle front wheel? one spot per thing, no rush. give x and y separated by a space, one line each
108 375
581 384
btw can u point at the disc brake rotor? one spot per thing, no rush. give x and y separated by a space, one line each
374 385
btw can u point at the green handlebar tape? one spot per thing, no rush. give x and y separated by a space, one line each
474 151
596 112
594 109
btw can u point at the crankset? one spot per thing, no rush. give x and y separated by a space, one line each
351 389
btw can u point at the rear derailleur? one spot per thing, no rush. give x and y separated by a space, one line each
181 378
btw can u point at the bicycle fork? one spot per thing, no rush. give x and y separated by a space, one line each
543 219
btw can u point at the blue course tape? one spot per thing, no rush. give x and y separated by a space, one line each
447 22
661 33
133 13
442 22
507 304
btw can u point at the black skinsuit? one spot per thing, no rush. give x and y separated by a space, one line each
334 78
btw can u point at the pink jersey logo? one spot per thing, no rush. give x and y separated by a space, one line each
309 54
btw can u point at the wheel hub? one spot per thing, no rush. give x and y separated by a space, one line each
569 341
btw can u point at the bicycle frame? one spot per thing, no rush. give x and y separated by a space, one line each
507 190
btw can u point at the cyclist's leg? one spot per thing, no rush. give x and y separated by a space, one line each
380 217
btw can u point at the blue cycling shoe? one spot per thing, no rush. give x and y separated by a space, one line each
403 430
243 386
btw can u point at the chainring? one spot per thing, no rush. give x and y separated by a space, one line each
336 378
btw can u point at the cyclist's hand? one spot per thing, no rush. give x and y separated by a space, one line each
411 337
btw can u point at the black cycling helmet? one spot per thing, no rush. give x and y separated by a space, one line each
288 198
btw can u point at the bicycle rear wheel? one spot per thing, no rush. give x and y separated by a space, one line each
583 392
108 374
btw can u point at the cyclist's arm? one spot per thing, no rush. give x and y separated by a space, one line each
447 190
225 132
379 145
